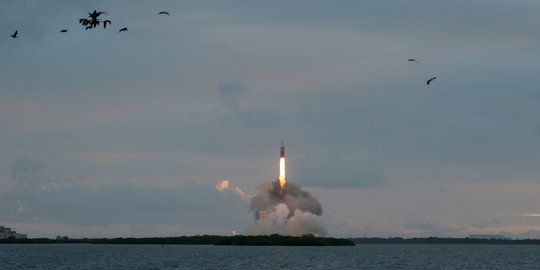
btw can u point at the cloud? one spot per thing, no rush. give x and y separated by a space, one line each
19 204
483 224
321 73
258 117
229 93
530 234
429 228
336 168
528 214
52 229
29 171
195 204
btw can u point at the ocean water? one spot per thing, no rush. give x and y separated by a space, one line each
86 256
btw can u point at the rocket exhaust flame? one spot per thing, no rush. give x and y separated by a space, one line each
281 178
284 208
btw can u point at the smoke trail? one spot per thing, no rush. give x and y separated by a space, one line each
225 185
292 211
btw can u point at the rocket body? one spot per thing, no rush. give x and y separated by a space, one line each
282 150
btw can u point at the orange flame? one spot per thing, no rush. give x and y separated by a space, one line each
282 180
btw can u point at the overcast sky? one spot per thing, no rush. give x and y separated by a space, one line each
127 134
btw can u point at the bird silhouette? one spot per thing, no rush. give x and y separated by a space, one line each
93 21
14 35
63 31
164 12
429 81
122 30
94 15
412 60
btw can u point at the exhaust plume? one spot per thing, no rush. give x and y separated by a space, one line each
223 185
282 180
226 184
287 211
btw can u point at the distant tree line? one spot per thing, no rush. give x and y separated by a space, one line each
270 240
280 240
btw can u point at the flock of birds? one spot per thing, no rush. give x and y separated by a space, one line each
93 21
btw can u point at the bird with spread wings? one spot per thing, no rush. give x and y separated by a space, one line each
93 20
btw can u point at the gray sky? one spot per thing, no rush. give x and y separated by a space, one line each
107 134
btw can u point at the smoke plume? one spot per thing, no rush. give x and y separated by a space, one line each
292 211
225 185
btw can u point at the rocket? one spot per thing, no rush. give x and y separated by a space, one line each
281 179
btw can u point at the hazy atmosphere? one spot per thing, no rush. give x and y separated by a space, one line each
112 134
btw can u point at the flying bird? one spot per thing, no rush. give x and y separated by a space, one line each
164 12
429 81
122 30
412 60
96 14
63 31
14 35
93 20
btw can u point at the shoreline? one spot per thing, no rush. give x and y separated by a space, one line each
272 240
240 240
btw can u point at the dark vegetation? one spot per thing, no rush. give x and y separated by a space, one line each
271 240
280 240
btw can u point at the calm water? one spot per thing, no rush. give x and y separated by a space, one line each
81 256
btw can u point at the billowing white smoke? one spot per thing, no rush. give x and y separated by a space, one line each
291 212
305 223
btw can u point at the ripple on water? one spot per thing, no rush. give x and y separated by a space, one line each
84 256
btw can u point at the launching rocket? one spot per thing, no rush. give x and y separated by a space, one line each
281 180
